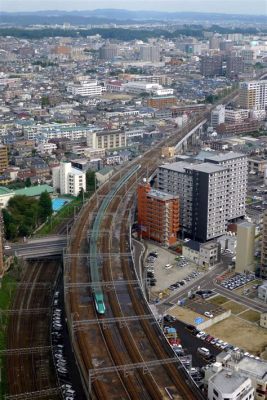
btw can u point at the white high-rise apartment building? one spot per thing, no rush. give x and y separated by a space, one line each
68 180
253 95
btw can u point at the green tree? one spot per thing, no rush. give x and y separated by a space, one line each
28 182
45 206
90 181
45 101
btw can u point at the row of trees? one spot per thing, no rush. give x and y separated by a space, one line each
23 215
123 34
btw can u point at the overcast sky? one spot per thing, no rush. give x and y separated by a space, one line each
222 6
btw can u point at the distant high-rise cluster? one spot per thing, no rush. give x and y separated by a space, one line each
150 53
230 65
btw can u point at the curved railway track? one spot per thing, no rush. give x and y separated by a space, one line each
134 342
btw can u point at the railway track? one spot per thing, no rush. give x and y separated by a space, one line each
137 342
31 370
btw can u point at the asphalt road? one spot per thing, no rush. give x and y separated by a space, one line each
261 307
204 281
207 281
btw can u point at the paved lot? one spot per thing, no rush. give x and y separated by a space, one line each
166 277
191 344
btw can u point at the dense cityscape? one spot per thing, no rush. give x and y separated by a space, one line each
133 205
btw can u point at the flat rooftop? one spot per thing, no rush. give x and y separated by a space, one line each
178 166
225 156
158 194
5 191
255 367
207 167
182 166
228 381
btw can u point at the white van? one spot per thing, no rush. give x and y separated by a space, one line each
203 351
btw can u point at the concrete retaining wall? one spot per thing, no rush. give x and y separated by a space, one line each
212 321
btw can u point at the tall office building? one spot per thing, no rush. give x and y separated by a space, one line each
158 214
3 158
263 268
150 53
211 193
253 95
245 247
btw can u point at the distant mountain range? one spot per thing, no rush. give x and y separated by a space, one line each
121 16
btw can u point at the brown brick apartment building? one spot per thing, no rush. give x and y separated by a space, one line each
158 215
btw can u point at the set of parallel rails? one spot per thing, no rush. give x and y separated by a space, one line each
81 341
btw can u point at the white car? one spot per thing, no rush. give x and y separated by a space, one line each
201 333
208 314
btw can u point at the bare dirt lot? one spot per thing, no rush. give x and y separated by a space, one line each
218 300
250 315
236 308
239 333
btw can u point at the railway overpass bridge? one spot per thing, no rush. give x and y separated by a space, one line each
191 137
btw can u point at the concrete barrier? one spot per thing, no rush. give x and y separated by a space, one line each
212 321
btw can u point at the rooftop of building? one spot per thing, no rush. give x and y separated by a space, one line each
158 194
206 167
209 245
254 367
225 156
5 191
263 285
34 191
105 171
81 161
246 224
182 166
192 244
176 166
227 381
163 97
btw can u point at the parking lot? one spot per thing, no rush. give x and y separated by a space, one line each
237 281
64 360
168 269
